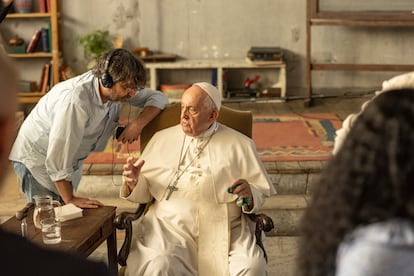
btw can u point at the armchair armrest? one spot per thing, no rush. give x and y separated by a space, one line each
124 221
263 223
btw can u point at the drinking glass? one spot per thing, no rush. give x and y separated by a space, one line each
51 231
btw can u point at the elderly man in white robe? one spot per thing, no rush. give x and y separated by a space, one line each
195 172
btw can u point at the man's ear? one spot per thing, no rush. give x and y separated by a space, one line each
214 114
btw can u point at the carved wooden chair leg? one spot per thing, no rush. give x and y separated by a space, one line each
263 224
124 222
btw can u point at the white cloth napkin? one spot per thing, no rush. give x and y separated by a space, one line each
68 212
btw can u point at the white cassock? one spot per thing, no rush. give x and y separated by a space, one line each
199 229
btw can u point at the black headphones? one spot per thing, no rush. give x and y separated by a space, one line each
106 78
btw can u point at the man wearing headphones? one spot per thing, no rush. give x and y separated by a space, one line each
19 256
76 117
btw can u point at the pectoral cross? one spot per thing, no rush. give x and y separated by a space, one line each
171 189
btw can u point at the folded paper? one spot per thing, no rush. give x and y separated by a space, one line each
68 212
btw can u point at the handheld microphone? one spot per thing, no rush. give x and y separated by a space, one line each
119 131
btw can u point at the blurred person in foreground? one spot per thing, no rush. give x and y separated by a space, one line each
360 221
402 81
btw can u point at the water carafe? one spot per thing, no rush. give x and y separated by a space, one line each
44 208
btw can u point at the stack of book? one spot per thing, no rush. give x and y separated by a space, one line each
46 79
265 55
40 41
65 73
44 6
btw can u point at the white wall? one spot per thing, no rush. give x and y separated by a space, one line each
219 29
211 29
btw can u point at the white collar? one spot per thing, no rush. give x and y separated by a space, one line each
207 133
198 140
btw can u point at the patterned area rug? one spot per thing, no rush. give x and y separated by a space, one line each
288 137
295 137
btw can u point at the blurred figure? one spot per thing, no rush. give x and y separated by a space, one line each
361 217
403 81
8 6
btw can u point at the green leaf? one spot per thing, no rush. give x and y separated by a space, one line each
95 43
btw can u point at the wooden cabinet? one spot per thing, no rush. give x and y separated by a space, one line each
33 22
316 17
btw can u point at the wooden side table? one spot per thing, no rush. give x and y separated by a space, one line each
82 235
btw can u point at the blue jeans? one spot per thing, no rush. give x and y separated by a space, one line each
29 184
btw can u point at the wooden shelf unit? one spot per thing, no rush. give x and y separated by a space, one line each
315 17
221 66
54 54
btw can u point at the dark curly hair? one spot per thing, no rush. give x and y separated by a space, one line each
123 66
369 180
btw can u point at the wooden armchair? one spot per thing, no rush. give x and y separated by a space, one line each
236 119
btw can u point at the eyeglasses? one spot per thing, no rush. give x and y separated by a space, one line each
128 85
130 89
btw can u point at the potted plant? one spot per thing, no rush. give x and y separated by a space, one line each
94 44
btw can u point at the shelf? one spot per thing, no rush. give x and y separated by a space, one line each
362 23
32 55
31 94
28 100
220 66
255 100
396 16
362 67
315 17
211 64
52 18
28 15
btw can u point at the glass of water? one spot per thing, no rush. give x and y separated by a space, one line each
51 231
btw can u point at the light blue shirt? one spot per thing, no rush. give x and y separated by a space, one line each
67 124
385 248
